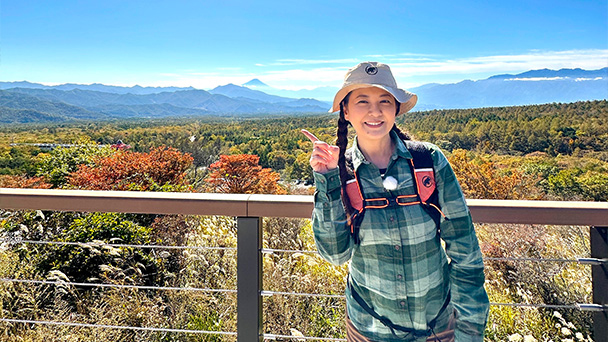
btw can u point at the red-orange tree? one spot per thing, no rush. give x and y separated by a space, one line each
242 174
125 170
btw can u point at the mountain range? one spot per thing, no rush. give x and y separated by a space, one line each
531 87
22 102
40 103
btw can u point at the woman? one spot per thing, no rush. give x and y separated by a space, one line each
371 208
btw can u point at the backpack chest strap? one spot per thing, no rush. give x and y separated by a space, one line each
424 187
384 202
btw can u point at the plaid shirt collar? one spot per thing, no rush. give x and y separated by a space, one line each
400 151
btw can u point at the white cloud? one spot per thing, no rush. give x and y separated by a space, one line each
409 69
305 78
585 59
287 62
536 79
200 80
291 79
398 56
427 69
414 69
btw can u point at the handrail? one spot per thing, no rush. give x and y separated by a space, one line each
295 206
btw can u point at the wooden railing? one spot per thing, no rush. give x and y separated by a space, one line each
250 209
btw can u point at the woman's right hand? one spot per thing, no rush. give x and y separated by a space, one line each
324 157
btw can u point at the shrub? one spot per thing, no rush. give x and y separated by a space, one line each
60 162
481 178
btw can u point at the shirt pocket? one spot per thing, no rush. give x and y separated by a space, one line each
374 228
418 225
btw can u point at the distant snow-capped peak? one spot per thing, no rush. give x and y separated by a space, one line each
255 83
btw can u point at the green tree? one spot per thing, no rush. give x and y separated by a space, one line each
18 161
60 162
300 169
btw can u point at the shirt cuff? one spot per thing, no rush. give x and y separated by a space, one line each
327 182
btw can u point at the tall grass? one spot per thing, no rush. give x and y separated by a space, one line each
536 282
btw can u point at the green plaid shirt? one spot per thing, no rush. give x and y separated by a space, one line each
400 268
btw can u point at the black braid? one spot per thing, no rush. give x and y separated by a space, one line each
402 135
345 173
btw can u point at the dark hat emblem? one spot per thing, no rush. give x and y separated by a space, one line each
427 181
371 70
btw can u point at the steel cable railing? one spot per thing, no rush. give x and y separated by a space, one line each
584 307
300 338
116 245
121 327
116 286
588 261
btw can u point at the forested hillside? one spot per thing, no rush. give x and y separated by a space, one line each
559 140
555 128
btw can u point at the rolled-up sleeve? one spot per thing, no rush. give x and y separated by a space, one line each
466 267
332 237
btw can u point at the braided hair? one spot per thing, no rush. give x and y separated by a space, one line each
346 172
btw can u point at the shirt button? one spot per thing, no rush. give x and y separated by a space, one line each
392 219
397 247
402 303
399 276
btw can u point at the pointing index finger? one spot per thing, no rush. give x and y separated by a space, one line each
309 135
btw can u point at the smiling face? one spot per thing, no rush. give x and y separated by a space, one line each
371 111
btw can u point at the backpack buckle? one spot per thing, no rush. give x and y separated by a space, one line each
376 203
407 199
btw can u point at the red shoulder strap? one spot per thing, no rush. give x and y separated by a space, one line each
425 181
354 194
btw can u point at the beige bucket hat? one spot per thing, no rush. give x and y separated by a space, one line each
374 74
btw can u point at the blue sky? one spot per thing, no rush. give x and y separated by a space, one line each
293 44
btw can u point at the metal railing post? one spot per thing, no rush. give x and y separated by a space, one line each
599 278
249 279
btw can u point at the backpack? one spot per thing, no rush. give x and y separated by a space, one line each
426 193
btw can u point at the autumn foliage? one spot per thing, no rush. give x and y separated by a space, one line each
13 181
126 170
480 178
242 174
